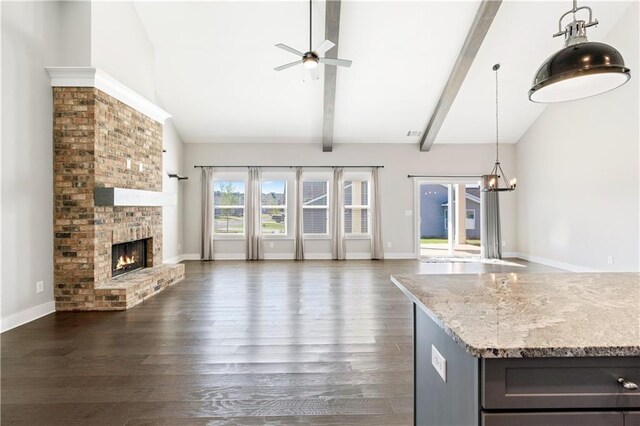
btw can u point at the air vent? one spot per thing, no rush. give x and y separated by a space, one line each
414 133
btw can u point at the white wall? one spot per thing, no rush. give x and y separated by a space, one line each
120 46
30 41
172 229
397 189
578 174
74 43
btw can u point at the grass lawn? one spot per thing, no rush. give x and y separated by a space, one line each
433 241
444 241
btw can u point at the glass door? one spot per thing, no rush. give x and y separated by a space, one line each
449 219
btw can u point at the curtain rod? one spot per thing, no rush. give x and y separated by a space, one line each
444 176
292 167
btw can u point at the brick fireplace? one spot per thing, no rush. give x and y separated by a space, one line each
101 142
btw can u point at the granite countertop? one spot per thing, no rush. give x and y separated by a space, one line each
533 315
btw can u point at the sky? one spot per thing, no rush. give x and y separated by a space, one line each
267 186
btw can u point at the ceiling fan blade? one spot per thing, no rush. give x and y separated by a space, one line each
285 66
324 47
338 62
289 49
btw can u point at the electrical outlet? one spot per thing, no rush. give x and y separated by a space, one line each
128 163
389 244
610 260
39 287
408 212
140 167
504 243
439 363
179 246
270 244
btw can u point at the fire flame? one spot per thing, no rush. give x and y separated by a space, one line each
125 260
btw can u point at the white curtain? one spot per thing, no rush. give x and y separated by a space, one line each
206 245
491 234
377 248
299 232
338 244
253 212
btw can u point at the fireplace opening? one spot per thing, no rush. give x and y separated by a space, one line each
127 257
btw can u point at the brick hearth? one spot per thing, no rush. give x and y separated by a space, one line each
94 135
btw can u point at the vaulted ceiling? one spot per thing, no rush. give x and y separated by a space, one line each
214 68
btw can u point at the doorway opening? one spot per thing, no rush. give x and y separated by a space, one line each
449 219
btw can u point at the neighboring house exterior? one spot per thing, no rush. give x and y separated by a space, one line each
434 210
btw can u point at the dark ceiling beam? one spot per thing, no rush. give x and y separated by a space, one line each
479 28
331 32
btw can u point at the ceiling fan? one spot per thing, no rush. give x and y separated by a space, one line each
312 58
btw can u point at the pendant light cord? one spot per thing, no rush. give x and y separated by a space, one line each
310 25
495 68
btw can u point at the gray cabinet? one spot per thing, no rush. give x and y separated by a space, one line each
632 418
559 383
598 418
518 391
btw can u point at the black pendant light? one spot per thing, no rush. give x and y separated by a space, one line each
496 180
582 68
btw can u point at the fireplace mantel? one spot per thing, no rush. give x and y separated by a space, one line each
132 197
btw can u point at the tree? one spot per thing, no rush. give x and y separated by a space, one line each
228 197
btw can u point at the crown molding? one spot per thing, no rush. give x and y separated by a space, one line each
95 77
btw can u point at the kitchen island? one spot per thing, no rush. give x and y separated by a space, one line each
526 349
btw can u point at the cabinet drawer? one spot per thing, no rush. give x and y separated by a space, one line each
593 418
549 383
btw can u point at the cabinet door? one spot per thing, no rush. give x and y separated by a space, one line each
632 418
594 418
559 383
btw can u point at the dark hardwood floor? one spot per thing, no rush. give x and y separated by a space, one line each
242 343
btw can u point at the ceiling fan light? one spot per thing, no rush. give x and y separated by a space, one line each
310 63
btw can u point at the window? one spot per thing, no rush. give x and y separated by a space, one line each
315 207
471 219
274 207
356 207
228 207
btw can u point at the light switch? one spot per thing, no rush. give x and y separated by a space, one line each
128 163
140 167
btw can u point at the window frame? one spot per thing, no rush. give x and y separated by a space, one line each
349 177
274 177
326 207
230 177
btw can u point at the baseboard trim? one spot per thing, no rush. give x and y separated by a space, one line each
28 315
317 256
390 256
290 256
358 256
229 256
279 256
554 263
190 256
175 259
